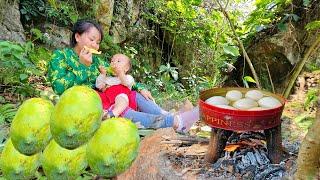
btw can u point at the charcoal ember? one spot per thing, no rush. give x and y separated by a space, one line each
227 155
243 163
229 165
261 157
249 172
264 156
252 158
218 163
271 171
244 151
248 175
253 135
233 138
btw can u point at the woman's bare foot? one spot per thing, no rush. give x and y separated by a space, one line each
187 106
187 119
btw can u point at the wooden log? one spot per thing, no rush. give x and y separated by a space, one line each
274 141
217 144
152 161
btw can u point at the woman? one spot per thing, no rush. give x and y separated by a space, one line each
77 66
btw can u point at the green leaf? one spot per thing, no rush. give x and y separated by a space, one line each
162 68
249 79
306 2
232 50
2 119
282 27
174 74
38 34
4 133
295 17
245 83
314 25
2 99
23 77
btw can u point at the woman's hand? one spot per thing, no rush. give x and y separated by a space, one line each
85 57
146 94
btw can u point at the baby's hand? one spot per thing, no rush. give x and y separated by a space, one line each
102 70
102 89
118 71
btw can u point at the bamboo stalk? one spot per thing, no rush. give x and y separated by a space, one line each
270 78
241 45
299 67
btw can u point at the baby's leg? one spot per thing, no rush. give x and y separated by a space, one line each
121 103
147 120
148 106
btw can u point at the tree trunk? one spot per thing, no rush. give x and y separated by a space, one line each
309 153
152 162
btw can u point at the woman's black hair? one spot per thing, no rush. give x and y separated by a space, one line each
82 26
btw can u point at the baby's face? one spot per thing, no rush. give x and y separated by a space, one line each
120 61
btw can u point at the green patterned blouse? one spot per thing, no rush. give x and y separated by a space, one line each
65 71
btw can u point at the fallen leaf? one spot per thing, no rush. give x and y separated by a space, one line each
231 147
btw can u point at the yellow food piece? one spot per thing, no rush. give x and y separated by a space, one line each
93 51
110 70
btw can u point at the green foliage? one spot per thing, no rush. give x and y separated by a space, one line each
7 113
247 79
304 120
179 33
232 50
314 25
311 99
109 47
32 9
306 2
63 13
167 72
16 68
40 56
266 14
14 63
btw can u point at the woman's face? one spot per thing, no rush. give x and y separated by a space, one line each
90 38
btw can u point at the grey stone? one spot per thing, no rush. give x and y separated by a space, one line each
56 37
104 13
124 17
10 25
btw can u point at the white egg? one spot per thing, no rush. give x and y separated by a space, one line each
254 94
217 100
233 95
269 102
226 107
245 103
257 109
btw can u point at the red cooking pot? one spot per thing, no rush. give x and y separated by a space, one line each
239 120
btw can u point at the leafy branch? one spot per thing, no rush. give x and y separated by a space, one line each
223 10
313 48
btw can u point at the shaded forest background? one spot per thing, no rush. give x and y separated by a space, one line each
178 47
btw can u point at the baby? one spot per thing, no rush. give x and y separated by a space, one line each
118 98
116 93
